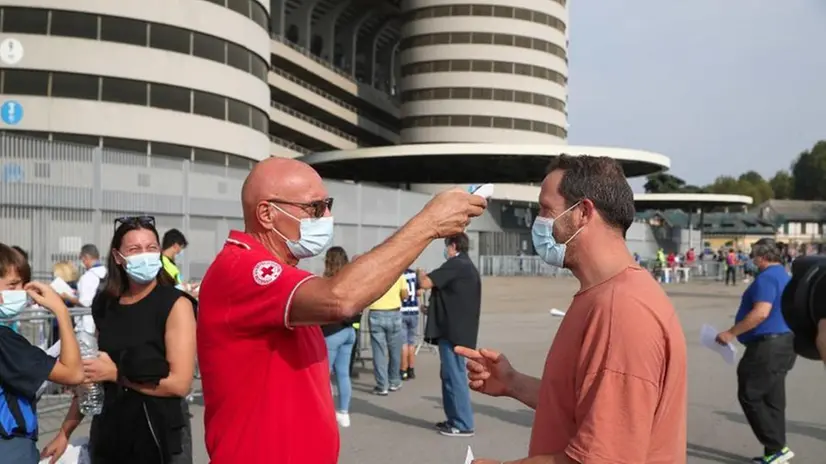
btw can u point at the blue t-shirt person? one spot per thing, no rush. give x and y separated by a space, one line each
767 287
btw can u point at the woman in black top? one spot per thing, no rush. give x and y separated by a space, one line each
146 338
340 338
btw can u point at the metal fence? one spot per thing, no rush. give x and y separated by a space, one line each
509 266
55 197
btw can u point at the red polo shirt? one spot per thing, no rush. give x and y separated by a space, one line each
266 385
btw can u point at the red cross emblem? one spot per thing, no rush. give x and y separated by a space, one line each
265 272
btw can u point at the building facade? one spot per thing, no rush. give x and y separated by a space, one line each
184 79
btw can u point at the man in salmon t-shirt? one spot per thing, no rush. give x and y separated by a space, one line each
614 385
264 368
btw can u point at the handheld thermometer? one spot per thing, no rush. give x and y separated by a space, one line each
483 190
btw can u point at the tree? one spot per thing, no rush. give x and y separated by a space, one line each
750 183
782 185
809 172
663 183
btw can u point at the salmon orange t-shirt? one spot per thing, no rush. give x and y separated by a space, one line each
614 385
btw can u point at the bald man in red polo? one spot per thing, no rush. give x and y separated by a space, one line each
262 356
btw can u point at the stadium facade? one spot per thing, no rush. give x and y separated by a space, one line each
411 93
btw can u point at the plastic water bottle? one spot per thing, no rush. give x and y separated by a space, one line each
90 396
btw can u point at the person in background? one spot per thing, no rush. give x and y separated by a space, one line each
68 273
614 385
173 244
731 267
340 338
690 257
386 337
769 355
410 324
453 320
146 360
88 286
23 366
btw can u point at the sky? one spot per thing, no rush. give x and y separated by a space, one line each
719 86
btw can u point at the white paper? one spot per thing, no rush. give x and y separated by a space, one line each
557 313
469 458
60 286
708 336
77 452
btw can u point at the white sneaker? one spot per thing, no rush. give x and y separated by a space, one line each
343 419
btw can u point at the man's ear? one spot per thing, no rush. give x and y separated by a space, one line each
265 214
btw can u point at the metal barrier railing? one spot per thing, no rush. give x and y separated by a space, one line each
528 266
341 72
509 266
313 121
290 145
38 327
313 89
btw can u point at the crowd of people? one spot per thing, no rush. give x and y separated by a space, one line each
268 334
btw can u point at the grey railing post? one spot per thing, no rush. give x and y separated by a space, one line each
359 218
185 208
97 196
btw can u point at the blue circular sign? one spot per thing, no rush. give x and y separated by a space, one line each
11 112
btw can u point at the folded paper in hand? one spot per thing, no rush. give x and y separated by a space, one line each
76 453
708 337
60 286
469 458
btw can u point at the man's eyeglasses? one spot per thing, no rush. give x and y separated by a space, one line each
143 221
316 208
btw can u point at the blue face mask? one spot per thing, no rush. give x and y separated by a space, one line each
14 301
315 235
542 235
143 268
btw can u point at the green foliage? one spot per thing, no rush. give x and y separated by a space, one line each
809 173
663 183
805 181
782 185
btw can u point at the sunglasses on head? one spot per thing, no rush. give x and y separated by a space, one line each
143 221
316 208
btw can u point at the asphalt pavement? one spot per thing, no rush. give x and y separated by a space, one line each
515 320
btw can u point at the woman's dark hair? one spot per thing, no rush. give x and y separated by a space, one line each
116 279
334 260
11 259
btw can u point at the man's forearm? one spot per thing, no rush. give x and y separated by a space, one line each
525 389
752 320
367 278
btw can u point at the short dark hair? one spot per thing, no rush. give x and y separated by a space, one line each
21 251
173 237
601 180
11 259
460 241
90 250
767 249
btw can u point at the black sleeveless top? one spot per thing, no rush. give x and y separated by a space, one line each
135 427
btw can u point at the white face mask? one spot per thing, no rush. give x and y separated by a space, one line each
542 235
13 303
315 235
